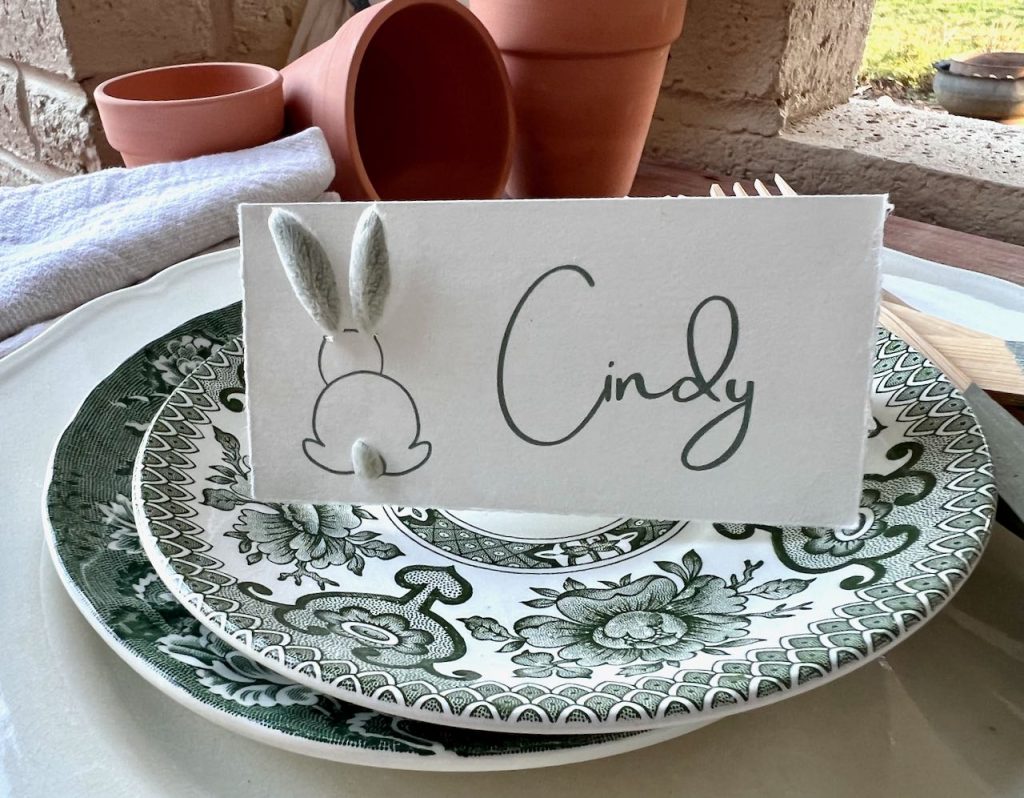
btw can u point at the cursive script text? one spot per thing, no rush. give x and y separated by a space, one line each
703 382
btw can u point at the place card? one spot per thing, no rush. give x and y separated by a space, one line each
661 358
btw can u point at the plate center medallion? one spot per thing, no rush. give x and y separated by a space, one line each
530 541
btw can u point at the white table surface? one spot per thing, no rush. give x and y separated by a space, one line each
940 715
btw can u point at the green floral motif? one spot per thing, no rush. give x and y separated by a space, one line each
146 608
226 673
307 536
655 619
873 541
150 590
162 368
847 542
120 519
143 624
392 734
384 630
176 359
403 631
541 664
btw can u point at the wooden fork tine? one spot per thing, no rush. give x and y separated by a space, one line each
888 313
762 190
785 189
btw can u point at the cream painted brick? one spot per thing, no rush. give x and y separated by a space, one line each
823 53
47 119
31 33
262 30
110 37
63 123
677 110
14 133
762 63
12 174
729 49
17 171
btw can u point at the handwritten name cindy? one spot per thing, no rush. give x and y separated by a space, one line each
706 381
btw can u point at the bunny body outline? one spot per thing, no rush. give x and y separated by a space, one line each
316 444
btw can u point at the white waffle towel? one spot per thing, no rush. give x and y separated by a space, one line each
66 242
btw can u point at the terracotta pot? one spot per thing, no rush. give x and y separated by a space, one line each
177 112
585 77
414 101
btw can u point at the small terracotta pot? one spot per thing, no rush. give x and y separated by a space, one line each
585 77
414 101
177 112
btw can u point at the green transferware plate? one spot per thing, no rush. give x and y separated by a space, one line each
583 624
93 539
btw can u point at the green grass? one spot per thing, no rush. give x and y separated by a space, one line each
907 36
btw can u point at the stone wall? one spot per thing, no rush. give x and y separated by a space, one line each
752 67
754 88
53 53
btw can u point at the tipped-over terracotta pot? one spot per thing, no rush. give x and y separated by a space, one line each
177 112
585 77
413 99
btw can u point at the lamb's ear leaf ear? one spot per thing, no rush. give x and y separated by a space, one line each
369 271
308 268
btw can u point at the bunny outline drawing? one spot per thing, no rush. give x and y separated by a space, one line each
357 394
348 402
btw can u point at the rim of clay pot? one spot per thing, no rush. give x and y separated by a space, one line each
556 28
115 91
1002 64
343 114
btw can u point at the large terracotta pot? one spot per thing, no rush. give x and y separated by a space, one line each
177 112
414 101
585 77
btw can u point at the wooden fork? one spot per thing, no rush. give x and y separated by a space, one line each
965 356
1004 433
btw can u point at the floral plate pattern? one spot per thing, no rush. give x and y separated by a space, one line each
704 620
95 545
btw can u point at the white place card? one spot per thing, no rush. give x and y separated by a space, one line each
662 358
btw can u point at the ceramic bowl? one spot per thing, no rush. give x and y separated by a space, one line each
178 112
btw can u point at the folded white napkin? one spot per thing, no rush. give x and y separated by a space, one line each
66 242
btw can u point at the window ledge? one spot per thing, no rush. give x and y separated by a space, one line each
940 142
964 174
